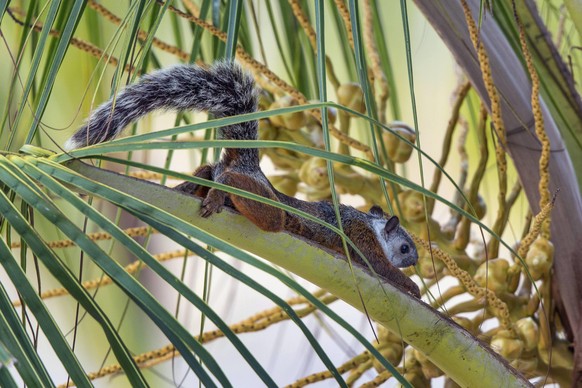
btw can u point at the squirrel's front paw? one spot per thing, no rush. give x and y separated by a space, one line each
212 203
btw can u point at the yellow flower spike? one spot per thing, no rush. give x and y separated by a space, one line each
528 332
493 275
351 95
544 163
398 150
535 229
142 34
375 62
501 144
498 307
308 29
97 52
304 22
345 14
540 257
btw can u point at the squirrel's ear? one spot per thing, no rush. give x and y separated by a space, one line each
392 224
376 211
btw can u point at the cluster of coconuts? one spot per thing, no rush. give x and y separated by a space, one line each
302 128
518 346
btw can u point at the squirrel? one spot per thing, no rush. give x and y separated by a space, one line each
225 89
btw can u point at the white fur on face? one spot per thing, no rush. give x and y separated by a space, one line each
386 244
392 242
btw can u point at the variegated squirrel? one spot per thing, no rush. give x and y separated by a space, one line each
225 89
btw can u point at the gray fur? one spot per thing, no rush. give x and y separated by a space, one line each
224 89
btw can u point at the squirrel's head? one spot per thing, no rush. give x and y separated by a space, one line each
395 241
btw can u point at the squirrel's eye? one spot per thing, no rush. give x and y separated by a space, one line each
404 249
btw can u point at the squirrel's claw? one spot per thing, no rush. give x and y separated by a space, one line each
212 203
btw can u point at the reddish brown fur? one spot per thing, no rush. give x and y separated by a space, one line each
266 217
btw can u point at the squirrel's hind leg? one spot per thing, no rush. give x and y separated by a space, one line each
204 172
266 217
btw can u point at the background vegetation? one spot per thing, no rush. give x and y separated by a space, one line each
126 285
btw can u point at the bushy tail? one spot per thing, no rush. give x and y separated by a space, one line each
224 89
